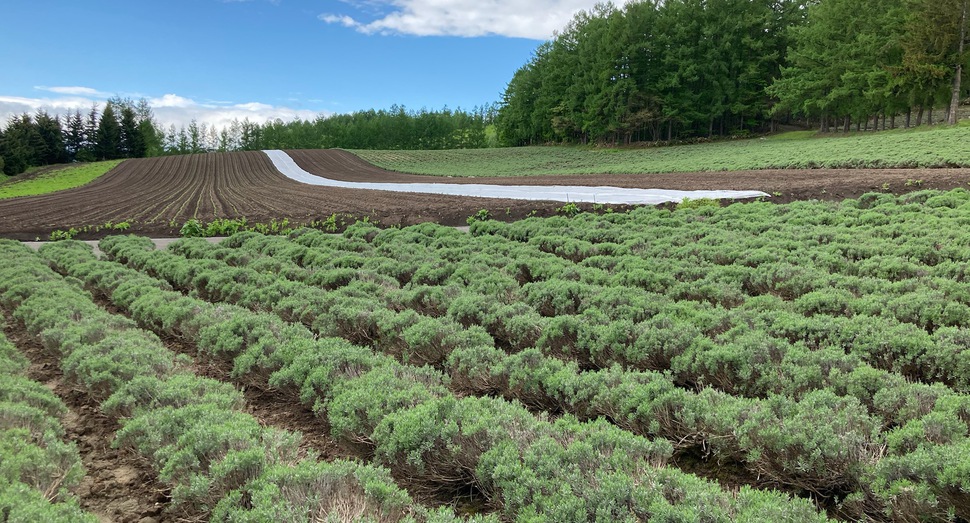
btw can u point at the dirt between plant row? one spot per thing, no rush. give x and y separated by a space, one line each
118 485
157 195
280 409
121 486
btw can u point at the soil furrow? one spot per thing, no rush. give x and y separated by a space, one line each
118 486
277 408
272 407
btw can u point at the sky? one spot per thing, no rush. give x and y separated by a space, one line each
216 60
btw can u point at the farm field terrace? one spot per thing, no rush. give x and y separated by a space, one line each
157 196
924 147
749 362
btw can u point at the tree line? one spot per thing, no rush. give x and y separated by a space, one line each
866 61
126 129
681 69
394 128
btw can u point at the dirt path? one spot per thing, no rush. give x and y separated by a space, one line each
118 485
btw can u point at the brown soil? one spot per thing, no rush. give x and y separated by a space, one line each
118 486
159 194
785 185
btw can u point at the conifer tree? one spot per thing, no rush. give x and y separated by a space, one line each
108 145
73 134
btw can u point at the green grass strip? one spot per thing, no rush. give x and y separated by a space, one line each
926 147
60 179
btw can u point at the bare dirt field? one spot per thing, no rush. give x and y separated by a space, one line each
157 195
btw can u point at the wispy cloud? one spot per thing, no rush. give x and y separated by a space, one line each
169 109
537 19
77 91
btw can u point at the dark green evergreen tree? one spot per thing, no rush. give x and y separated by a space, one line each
132 140
936 55
73 134
152 135
51 135
19 138
88 152
108 138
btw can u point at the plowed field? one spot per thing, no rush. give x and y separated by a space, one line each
159 194
153 193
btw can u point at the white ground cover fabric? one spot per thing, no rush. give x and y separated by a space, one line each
560 193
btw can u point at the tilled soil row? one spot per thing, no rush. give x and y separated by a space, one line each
118 486
158 195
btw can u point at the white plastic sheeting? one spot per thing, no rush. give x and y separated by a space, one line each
560 193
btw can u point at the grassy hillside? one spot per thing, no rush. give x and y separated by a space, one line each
922 147
52 180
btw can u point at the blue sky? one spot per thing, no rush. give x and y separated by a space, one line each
214 60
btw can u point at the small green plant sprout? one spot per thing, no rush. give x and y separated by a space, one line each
192 229
698 203
914 183
122 226
776 194
570 210
885 186
480 216
63 235
330 224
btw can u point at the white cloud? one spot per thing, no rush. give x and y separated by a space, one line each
78 91
169 109
173 109
171 100
537 19
345 21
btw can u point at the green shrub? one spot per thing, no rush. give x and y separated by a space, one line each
30 441
312 492
355 411
822 443
20 503
103 367
204 450
145 393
